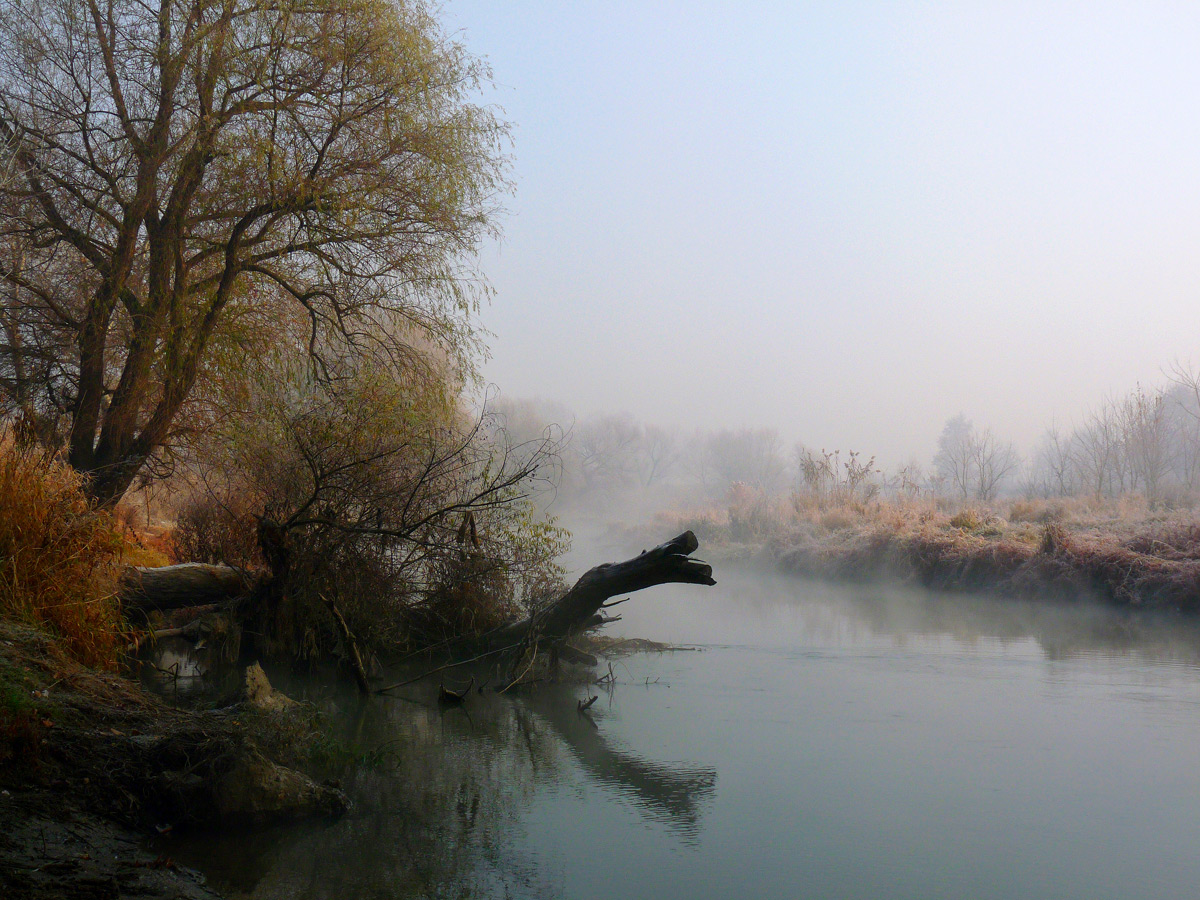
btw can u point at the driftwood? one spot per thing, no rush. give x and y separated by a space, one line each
448 697
181 586
579 609
360 672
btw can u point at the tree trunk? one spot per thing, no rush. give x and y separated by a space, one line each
184 585
578 609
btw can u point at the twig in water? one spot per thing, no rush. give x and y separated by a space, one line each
448 697
450 665
610 678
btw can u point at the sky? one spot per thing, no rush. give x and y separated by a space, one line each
846 221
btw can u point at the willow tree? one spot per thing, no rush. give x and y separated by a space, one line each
179 168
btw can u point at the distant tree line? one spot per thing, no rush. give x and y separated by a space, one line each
1146 442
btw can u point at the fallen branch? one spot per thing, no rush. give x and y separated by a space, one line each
360 673
448 697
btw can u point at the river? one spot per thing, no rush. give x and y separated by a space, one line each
821 742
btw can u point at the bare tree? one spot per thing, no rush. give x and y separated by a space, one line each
1053 467
606 449
1146 439
659 453
751 456
1097 452
973 462
182 166
993 461
953 459
1186 406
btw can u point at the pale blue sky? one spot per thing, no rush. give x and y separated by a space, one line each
845 220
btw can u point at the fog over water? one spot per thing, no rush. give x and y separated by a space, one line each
823 741
846 221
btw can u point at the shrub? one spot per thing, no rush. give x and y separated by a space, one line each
709 524
967 519
212 530
840 518
374 490
59 556
1035 511
142 547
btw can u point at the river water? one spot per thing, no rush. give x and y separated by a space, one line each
822 742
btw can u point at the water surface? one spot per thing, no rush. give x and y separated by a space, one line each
824 742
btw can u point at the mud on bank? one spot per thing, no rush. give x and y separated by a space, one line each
91 765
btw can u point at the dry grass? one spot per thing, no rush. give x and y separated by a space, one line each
1122 551
59 557
144 545
1050 562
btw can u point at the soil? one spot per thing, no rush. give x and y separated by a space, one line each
52 847
92 766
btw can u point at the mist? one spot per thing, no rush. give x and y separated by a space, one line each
848 223
676 450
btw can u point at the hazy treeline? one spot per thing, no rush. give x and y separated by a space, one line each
610 462
1144 443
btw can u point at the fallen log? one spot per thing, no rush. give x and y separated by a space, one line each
181 586
196 584
579 609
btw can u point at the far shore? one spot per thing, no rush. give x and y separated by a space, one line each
1124 553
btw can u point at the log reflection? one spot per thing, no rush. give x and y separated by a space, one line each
674 793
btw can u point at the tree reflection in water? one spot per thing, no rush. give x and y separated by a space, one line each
439 804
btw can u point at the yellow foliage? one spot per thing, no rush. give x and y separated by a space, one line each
59 556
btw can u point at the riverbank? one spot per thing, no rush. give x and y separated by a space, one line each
1121 553
92 766
1147 570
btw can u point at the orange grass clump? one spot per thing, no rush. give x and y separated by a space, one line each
59 556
